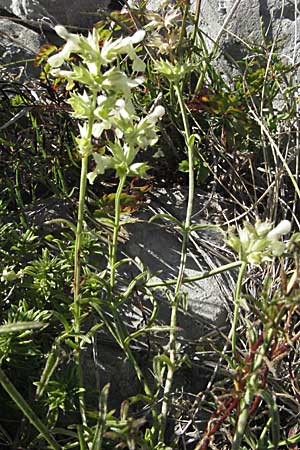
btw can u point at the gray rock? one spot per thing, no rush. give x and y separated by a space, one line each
280 19
39 214
25 25
18 47
81 13
158 245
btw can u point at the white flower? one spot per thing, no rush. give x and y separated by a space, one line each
103 162
121 105
116 80
143 134
138 36
158 112
111 49
262 227
62 32
99 127
9 274
72 46
172 17
284 227
259 243
83 130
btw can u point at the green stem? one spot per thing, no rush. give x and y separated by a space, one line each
114 247
176 299
112 262
78 241
27 411
183 27
77 264
196 22
251 391
77 275
194 278
237 301
215 46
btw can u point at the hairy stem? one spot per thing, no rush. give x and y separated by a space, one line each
114 247
176 298
192 279
237 301
77 264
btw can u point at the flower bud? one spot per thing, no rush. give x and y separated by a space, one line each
284 227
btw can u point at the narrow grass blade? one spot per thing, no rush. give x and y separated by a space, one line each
81 439
51 364
98 436
27 411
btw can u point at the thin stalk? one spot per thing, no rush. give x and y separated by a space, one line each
77 264
237 301
19 199
78 241
81 440
194 278
215 46
139 374
183 26
251 390
121 332
27 411
176 299
114 247
77 275
196 21
275 148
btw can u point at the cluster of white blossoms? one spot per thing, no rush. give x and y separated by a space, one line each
260 242
105 99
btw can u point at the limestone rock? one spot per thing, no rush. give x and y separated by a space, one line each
158 246
79 13
18 47
278 18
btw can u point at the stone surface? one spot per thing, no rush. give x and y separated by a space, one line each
25 25
279 18
158 246
79 13
18 47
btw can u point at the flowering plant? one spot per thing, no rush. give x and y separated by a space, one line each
259 242
105 100
101 99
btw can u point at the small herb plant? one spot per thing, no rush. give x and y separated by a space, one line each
118 98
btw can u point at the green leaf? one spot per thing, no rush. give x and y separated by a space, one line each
101 422
21 326
168 217
191 140
50 366
27 411
184 166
